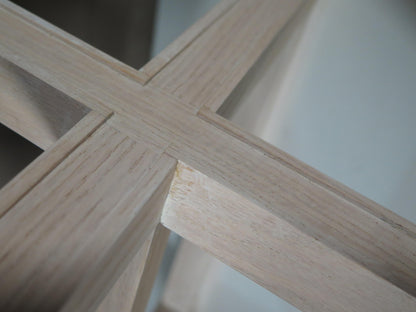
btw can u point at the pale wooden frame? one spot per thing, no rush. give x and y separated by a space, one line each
303 236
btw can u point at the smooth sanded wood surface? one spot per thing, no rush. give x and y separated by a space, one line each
360 242
150 200
206 72
154 258
149 70
18 187
33 109
74 42
123 293
272 252
156 64
70 220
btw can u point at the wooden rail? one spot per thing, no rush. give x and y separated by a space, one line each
75 219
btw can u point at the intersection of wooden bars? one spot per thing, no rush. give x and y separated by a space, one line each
84 226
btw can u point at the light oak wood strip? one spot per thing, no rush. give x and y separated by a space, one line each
144 74
369 233
156 64
33 109
186 279
252 100
272 252
74 42
152 195
344 224
17 188
244 167
208 70
70 71
64 67
121 296
310 173
352 228
81 225
153 261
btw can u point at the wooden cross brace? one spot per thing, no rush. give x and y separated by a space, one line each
149 154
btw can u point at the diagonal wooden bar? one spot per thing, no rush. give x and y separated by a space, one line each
309 239
153 260
45 163
31 108
123 293
99 204
272 252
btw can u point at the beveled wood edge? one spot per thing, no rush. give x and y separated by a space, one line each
157 63
123 292
151 268
189 80
34 173
398 225
43 114
271 252
384 214
96 285
73 41
144 74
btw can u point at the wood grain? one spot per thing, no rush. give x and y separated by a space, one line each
73 41
156 64
78 229
154 258
206 72
122 294
151 68
33 109
18 187
111 266
272 252
335 245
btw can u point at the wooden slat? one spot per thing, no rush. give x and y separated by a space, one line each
153 261
19 186
207 71
147 72
251 102
323 209
123 292
122 252
310 173
352 225
156 64
269 250
46 56
73 42
132 290
81 225
356 231
51 60
344 221
111 266
33 109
